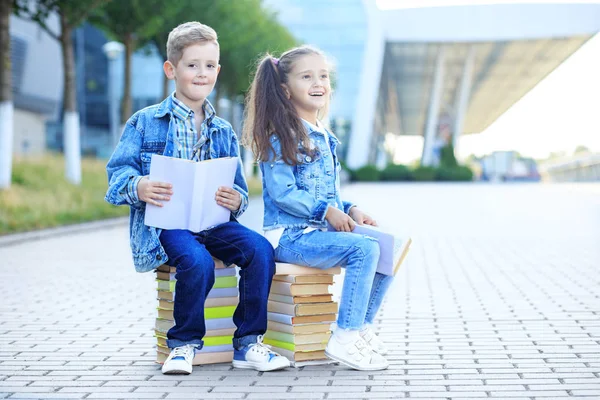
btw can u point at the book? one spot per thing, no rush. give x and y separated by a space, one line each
294 269
295 289
214 293
208 340
201 358
291 320
320 298
295 347
305 278
209 312
299 310
220 282
163 325
392 249
210 302
301 356
299 329
170 268
205 349
322 337
192 205
209 333
167 276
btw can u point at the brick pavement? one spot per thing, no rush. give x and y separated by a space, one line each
499 299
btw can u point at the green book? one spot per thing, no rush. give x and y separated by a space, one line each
209 312
208 340
220 282
322 337
295 347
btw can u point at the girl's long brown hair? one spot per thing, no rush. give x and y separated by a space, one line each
269 111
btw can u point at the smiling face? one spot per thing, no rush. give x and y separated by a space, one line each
196 73
308 86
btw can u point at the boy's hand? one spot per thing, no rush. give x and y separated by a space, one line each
361 218
154 192
339 220
228 198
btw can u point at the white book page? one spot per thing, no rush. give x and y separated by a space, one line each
210 175
192 205
386 247
175 213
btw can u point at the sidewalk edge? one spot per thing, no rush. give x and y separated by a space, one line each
18 238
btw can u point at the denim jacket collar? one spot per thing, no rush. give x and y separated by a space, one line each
167 106
311 131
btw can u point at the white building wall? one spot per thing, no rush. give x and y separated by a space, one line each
29 133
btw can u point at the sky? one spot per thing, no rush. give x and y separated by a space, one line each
559 114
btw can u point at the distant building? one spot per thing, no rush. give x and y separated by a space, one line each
507 166
37 83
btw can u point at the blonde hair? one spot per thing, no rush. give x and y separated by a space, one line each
185 35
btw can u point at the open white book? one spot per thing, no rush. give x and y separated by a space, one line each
392 249
192 205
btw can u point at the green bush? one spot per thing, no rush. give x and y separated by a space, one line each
397 172
368 173
423 174
458 173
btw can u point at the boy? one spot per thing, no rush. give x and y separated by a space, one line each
184 125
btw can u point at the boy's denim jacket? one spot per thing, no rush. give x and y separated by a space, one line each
298 196
152 131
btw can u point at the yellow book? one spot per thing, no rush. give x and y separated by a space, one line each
209 313
296 347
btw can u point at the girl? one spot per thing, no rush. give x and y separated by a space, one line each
301 192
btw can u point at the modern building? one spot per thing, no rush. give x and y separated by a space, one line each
37 83
434 71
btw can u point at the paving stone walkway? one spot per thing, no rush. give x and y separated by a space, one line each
499 298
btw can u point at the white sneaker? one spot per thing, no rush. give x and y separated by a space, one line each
357 355
180 360
260 357
374 341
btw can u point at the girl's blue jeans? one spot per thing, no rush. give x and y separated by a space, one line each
191 254
364 288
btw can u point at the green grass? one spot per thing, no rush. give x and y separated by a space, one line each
40 197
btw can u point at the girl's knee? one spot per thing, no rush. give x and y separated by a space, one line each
369 247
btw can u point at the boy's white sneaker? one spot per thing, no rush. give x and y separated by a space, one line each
260 357
374 341
356 354
180 360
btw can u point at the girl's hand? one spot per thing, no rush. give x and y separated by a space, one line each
339 220
228 198
154 192
361 218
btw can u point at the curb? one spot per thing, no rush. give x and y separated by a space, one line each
18 238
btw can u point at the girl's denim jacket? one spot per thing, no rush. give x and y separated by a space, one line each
152 131
298 196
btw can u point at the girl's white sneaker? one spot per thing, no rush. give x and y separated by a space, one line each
374 341
356 354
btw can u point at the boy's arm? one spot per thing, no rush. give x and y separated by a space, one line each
239 183
124 169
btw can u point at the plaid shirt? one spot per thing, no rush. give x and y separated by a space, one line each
190 144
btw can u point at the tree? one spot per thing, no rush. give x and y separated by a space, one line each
71 13
134 23
245 29
6 103
581 149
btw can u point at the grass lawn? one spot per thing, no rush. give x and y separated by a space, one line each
40 197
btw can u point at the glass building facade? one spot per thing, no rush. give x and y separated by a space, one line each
339 28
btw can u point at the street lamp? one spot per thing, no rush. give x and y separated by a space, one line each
113 51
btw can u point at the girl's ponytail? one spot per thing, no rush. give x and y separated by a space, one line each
270 112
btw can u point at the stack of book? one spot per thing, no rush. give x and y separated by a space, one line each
219 307
300 313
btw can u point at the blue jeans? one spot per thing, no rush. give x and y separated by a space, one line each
364 288
191 254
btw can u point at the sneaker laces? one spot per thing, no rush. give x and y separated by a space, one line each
186 351
260 347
